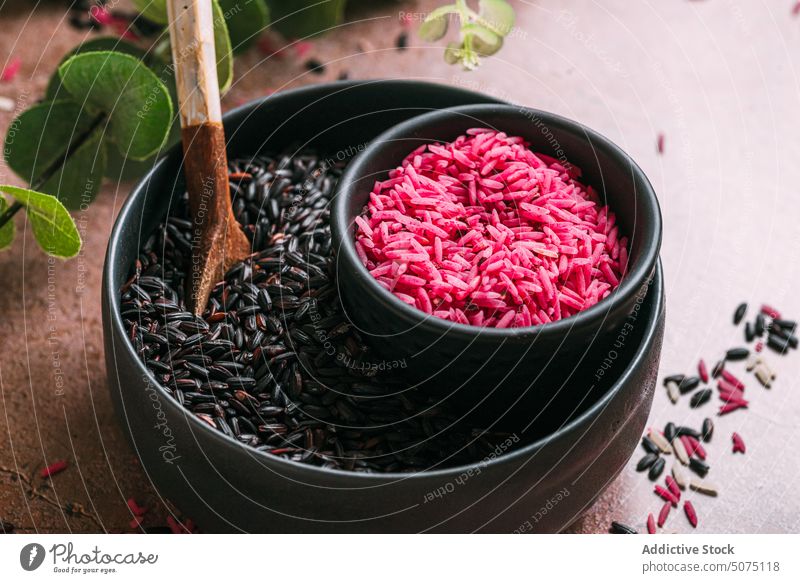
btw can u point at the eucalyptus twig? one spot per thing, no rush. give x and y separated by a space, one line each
38 492
10 212
481 33
55 166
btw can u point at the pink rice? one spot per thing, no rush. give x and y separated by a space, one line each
483 231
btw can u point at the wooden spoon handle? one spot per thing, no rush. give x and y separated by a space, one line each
191 32
217 239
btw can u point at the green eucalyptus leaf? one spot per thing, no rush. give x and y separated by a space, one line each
54 229
442 11
103 43
40 136
7 231
484 41
245 19
485 49
498 14
480 32
452 54
154 10
119 168
304 18
137 104
160 63
432 29
78 180
222 48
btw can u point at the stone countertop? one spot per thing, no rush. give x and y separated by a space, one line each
716 78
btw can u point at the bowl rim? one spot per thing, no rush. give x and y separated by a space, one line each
127 219
345 250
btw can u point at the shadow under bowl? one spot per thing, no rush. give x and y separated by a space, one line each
564 456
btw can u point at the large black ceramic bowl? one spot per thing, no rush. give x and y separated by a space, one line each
565 455
471 362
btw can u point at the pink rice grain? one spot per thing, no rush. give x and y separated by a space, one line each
691 514
101 15
702 370
738 443
662 516
11 69
53 469
490 234
770 311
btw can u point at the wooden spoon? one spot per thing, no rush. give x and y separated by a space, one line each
218 241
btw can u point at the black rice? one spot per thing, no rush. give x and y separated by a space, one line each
739 313
749 333
402 42
647 461
689 384
656 469
777 344
708 429
273 362
700 398
737 354
788 325
649 446
676 378
684 430
620 528
760 325
698 466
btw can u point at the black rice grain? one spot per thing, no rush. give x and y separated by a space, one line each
649 446
760 325
699 467
683 430
676 378
689 384
785 335
700 398
788 325
737 354
739 313
656 469
670 432
315 66
620 528
777 344
708 429
402 42
646 462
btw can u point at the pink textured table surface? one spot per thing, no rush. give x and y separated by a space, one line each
718 78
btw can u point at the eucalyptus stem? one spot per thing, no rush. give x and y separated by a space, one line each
10 212
51 170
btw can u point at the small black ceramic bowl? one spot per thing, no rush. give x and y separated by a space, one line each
473 362
564 455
